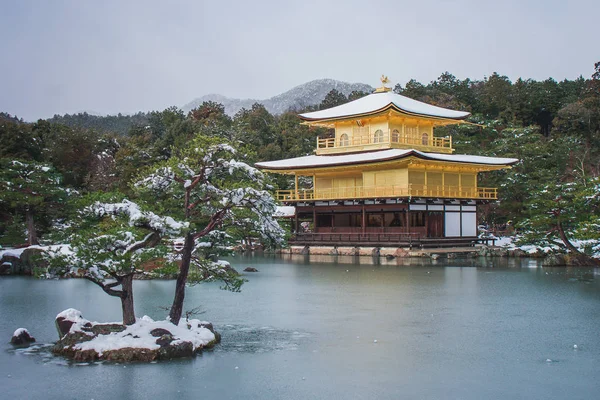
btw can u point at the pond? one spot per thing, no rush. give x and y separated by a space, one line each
334 328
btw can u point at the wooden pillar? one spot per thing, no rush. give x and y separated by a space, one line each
315 219
404 131
295 224
364 220
296 185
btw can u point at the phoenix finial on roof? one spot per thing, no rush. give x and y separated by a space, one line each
384 80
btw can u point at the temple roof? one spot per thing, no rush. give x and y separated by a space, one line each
379 102
378 156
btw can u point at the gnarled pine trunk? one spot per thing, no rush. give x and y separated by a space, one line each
580 258
127 300
186 257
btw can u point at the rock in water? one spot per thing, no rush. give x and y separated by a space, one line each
21 337
250 269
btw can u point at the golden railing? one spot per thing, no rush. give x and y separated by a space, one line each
386 138
366 192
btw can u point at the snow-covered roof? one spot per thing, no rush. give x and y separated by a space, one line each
285 211
376 156
378 102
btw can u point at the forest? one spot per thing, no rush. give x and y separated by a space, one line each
49 168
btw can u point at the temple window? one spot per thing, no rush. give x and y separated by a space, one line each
324 220
378 136
395 136
417 219
344 141
425 139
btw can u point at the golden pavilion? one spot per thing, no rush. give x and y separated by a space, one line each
384 178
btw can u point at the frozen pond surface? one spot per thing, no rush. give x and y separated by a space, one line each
334 330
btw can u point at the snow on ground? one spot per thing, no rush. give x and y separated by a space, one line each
57 248
138 335
509 243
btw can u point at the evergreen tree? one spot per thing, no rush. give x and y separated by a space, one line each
332 99
221 199
29 188
110 242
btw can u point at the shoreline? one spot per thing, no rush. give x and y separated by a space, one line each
22 261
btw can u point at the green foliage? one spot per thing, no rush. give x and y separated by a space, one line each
30 189
333 98
13 230
110 240
25 184
117 124
19 141
565 211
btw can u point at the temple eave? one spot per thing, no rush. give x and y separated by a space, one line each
329 122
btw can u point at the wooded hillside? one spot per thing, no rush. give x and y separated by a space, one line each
552 127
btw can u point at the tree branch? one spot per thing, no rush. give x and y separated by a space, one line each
107 288
150 240
195 204
214 220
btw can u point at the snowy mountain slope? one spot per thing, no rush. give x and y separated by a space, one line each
308 94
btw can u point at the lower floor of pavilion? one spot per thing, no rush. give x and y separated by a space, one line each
398 222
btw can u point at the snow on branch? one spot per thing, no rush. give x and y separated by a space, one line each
137 217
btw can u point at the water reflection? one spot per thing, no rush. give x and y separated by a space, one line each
324 327
444 261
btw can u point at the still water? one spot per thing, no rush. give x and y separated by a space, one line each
335 329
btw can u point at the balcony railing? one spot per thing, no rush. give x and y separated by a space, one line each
368 192
365 140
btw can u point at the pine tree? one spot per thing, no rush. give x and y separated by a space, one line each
28 188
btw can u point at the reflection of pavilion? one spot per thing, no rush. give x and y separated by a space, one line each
384 178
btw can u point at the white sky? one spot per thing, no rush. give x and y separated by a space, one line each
125 56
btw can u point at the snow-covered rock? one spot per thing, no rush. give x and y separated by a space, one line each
146 340
21 337
24 260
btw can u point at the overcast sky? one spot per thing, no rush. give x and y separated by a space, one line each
124 56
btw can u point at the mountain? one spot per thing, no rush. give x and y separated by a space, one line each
298 98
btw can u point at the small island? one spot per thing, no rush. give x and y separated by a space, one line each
146 340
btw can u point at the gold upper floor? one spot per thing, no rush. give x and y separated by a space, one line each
384 132
412 179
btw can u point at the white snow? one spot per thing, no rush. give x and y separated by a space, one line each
378 102
23 330
73 315
285 211
138 335
56 248
382 155
509 243
137 216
